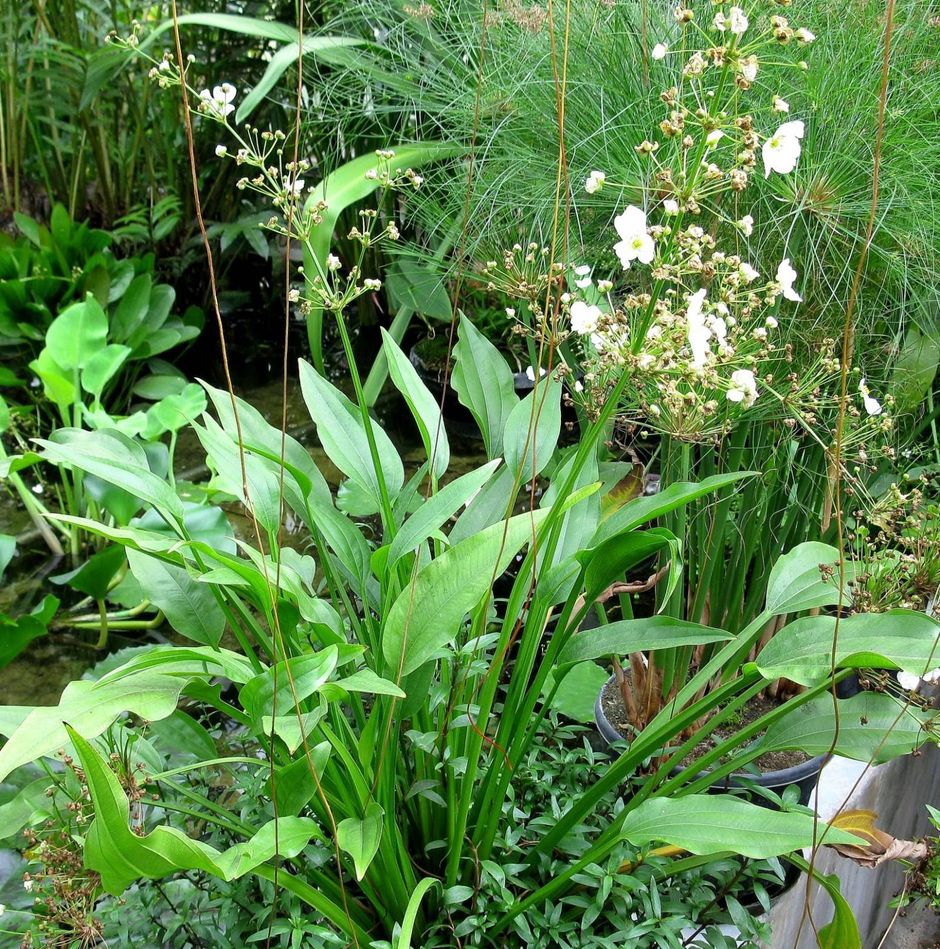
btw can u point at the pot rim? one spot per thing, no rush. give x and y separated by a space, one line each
783 776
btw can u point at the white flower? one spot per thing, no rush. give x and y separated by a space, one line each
582 270
578 385
781 151
714 137
781 105
719 329
872 405
635 242
746 225
748 67
744 388
671 206
333 262
645 361
594 182
737 21
296 186
748 273
699 334
908 681
720 22
510 312
27 885
530 373
605 286
785 277
219 101
220 151
659 51
584 317
584 273
804 36
932 676
771 323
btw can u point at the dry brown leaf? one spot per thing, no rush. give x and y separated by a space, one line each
881 846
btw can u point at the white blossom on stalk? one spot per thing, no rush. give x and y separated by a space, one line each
748 67
872 405
786 275
220 151
530 373
583 273
781 105
736 21
594 182
714 137
908 681
659 51
698 332
671 206
748 273
746 225
219 101
782 150
635 242
333 262
804 36
584 317
744 388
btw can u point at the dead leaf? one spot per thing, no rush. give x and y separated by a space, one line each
881 846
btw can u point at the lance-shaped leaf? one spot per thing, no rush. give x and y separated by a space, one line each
532 430
872 726
343 436
716 823
121 856
423 405
189 606
483 382
428 613
637 635
899 639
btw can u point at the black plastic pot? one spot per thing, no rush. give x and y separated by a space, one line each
804 776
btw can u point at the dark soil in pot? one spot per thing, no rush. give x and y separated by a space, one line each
777 770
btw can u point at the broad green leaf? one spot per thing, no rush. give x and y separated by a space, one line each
295 783
428 612
715 823
434 512
420 288
189 606
873 726
484 384
230 22
423 405
131 311
532 430
328 48
77 334
174 412
57 384
94 576
578 691
898 639
365 680
159 386
487 507
92 707
360 838
101 368
283 687
341 432
637 635
645 509
915 369
16 633
121 856
806 577
29 803
114 458
610 560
